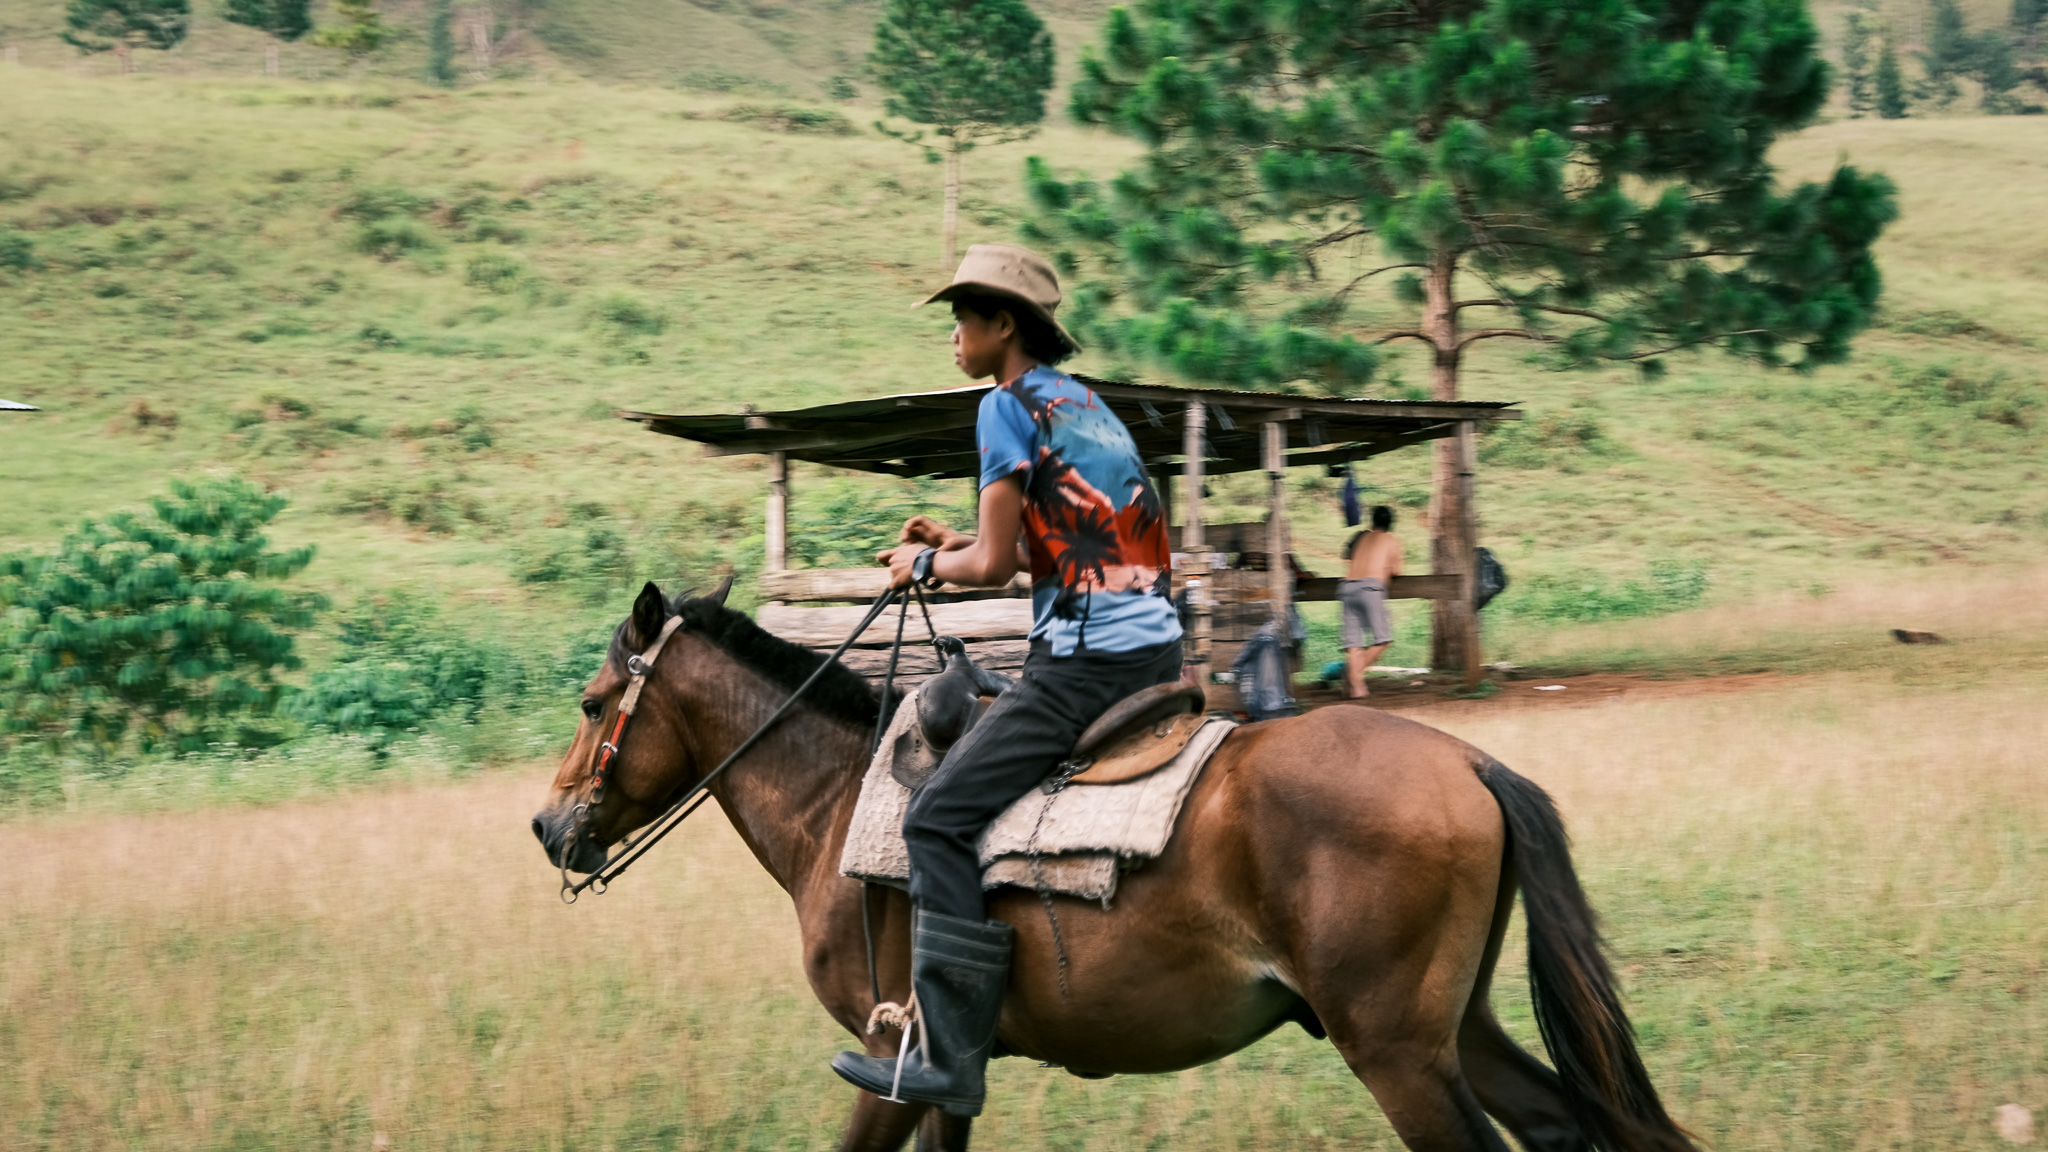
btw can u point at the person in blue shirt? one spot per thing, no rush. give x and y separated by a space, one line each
1065 496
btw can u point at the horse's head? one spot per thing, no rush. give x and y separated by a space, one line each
585 814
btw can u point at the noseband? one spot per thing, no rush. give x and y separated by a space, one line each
638 666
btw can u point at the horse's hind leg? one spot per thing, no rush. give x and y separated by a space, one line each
1518 1089
879 1126
1425 1097
943 1132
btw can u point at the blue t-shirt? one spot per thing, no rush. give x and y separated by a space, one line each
1100 569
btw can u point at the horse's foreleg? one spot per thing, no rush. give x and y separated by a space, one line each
880 1126
943 1132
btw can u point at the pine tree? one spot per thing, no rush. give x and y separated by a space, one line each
119 26
1951 54
166 627
441 44
283 21
1588 175
1893 102
357 33
1859 28
975 70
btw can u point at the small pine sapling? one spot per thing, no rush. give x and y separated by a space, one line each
282 21
120 26
976 71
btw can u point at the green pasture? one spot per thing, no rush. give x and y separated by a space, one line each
414 311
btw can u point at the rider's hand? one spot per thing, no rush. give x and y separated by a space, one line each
899 559
925 531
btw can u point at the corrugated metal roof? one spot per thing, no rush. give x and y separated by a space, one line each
11 406
932 433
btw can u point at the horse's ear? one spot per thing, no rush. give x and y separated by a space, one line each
650 612
718 594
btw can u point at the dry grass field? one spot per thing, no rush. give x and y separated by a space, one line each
1824 896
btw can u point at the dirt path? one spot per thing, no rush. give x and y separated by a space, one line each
1540 692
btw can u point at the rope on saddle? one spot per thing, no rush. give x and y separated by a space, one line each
877 1020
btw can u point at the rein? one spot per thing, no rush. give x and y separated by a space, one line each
638 666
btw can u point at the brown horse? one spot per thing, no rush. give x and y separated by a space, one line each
1346 870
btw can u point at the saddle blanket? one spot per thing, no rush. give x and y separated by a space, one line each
1074 841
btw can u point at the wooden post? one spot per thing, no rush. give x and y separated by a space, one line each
1196 577
778 512
1191 476
1278 577
1466 540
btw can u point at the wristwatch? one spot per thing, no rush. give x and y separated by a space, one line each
921 570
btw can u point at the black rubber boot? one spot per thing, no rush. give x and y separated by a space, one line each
958 969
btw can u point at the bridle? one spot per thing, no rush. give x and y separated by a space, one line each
638 666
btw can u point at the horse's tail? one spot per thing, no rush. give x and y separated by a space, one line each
1577 1009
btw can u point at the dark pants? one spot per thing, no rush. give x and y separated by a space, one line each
1025 735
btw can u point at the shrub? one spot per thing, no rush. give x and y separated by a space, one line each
629 314
793 119
1560 440
390 237
398 667
494 273
1585 597
377 201
17 251
167 627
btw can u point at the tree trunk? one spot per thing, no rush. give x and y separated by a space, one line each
1454 624
270 67
949 225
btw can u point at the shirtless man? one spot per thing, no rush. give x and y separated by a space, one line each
1375 560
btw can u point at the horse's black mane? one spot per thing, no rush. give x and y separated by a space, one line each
840 693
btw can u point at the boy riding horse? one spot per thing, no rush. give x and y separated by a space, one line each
1063 493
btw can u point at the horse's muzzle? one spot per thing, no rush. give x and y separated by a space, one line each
552 830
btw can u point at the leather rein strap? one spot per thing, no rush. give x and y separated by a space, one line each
692 799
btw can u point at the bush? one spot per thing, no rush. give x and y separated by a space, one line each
793 119
1992 394
854 520
1586 598
494 273
1562 440
390 237
167 627
399 667
17 251
378 201
629 314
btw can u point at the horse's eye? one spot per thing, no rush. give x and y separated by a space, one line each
593 709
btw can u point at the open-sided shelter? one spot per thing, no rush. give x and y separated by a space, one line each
1234 580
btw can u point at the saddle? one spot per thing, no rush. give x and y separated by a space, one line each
1138 735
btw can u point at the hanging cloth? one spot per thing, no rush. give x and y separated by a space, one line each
1353 507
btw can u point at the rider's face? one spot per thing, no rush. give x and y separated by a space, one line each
981 344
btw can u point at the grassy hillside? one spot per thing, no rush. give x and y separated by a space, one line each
415 310
762 47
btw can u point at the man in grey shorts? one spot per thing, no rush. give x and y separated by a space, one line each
1375 561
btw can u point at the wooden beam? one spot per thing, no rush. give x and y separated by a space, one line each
1440 586
777 526
812 584
848 436
1278 575
825 627
1254 406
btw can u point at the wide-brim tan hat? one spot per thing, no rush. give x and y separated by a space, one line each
1007 270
